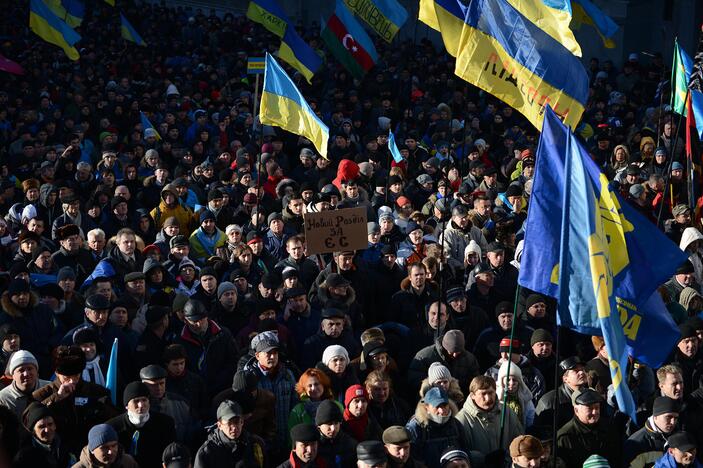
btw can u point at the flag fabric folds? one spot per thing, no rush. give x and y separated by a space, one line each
505 54
585 12
385 17
52 29
75 11
298 54
129 33
9 66
638 256
348 41
680 78
147 124
553 17
269 14
446 17
393 148
111 378
282 105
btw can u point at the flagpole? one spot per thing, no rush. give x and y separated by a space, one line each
667 176
503 409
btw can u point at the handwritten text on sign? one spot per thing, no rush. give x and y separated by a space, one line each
335 230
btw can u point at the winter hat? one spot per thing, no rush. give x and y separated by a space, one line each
453 341
205 215
224 287
328 412
533 299
596 461
66 273
21 358
334 351
355 391
515 371
34 413
526 445
438 371
504 345
134 390
540 335
17 286
101 435
70 360
473 247
664 404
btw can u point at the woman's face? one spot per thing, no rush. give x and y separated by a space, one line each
379 361
314 388
512 384
337 365
378 391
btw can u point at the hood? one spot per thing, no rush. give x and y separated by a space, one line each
11 309
328 301
474 411
347 170
150 264
421 412
524 393
149 181
689 235
44 192
454 391
686 296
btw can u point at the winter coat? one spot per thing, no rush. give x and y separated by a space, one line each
487 347
577 441
13 399
393 412
464 367
178 409
532 377
340 384
544 413
455 240
668 461
408 308
154 436
37 327
429 439
218 451
643 448
87 460
689 236
185 217
212 356
304 412
119 266
307 269
199 251
483 427
348 303
262 421
339 452
82 262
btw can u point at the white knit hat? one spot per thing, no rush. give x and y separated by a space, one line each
473 247
20 358
334 351
438 371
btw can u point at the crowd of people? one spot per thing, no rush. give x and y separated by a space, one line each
176 255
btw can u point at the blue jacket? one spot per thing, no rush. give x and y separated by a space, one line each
667 461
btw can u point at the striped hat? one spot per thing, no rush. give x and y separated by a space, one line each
596 461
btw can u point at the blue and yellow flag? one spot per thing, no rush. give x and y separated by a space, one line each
298 54
51 28
680 78
147 124
282 105
385 17
585 12
75 11
447 18
129 33
505 54
553 17
615 258
393 148
270 15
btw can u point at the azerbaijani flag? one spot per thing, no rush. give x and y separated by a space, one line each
348 41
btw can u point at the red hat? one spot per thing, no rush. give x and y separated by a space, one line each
355 391
505 344
402 200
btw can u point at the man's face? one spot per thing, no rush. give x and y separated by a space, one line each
268 359
587 414
209 283
458 305
686 279
306 451
298 304
418 277
119 316
684 218
28 246
157 387
542 349
683 458
461 220
688 346
73 208
525 462
21 299
505 320
25 377
484 398
32 194
11 343
208 226
139 405
666 422
276 226
482 207
330 430
672 386
45 430
435 319
345 261
231 428
71 243
136 287
198 326
97 317
496 258
575 377
107 453
379 391
127 243
43 261
36 225
357 406
399 453
180 251
295 249
333 327
296 206
229 299
90 350
104 288
96 243
538 310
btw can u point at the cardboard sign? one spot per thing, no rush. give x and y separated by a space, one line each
335 230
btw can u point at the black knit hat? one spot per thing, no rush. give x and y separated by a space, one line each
304 433
134 390
664 404
533 299
328 412
541 335
34 413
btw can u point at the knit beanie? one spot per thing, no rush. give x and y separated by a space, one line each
34 413
328 412
540 335
355 391
596 461
101 435
334 351
134 390
438 371
20 358
224 287
533 299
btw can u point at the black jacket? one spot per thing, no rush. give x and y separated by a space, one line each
154 436
577 441
464 368
339 452
220 452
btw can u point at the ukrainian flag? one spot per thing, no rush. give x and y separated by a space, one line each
447 18
51 28
298 54
680 78
553 17
282 105
505 54
147 124
129 33
75 11
269 14
585 12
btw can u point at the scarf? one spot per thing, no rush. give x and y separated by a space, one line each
208 242
514 404
93 373
311 407
357 426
